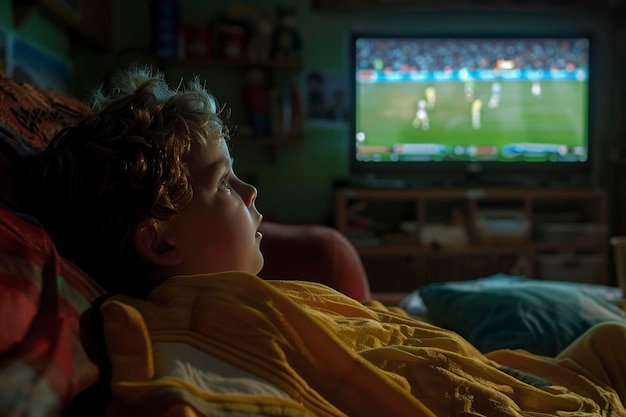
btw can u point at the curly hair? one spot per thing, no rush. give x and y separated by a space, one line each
120 165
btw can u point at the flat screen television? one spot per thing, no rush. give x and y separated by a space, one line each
451 106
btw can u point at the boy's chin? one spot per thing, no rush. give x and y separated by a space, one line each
262 263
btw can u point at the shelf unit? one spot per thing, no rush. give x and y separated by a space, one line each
295 65
239 66
398 262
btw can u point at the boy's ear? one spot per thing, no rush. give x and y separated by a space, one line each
151 243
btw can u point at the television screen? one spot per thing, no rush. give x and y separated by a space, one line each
469 103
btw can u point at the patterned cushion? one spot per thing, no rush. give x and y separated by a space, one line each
28 119
29 116
50 351
43 339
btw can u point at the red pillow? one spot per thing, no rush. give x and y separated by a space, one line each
43 296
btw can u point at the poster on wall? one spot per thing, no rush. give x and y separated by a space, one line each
326 98
35 65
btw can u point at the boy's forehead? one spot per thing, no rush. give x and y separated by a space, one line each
208 148
209 153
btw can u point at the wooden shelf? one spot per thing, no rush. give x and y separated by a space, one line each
272 143
574 6
218 63
569 246
415 249
399 261
386 250
475 193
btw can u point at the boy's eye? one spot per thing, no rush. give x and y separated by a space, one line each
224 184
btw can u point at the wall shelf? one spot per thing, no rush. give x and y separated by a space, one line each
219 63
238 68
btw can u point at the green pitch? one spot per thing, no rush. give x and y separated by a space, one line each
387 111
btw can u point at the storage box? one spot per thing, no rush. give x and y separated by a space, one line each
571 232
443 235
569 267
505 227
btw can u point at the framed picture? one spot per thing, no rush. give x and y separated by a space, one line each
326 97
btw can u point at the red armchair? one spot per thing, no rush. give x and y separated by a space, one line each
313 253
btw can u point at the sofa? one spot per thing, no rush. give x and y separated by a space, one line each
313 253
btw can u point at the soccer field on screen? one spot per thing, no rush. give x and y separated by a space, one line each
385 113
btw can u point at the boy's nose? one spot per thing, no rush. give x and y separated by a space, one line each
248 193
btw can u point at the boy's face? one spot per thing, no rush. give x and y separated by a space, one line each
218 230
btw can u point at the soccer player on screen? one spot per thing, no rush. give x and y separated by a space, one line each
477 106
535 89
494 99
469 89
421 116
431 97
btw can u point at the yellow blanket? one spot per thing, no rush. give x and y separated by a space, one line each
232 344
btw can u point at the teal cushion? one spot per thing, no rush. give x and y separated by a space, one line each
503 312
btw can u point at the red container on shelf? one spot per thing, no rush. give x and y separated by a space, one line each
198 42
233 39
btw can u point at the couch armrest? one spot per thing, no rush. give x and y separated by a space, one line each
313 253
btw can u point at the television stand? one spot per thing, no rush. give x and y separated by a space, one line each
467 180
563 225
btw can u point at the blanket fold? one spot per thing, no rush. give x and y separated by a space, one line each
232 344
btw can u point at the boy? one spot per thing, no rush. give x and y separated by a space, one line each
144 197
153 179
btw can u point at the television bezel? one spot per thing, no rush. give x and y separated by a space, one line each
445 170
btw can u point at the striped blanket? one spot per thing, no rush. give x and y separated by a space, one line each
49 346
232 344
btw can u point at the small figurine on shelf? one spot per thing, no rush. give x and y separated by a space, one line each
286 42
255 96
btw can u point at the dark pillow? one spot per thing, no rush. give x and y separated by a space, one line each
29 117
503 312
